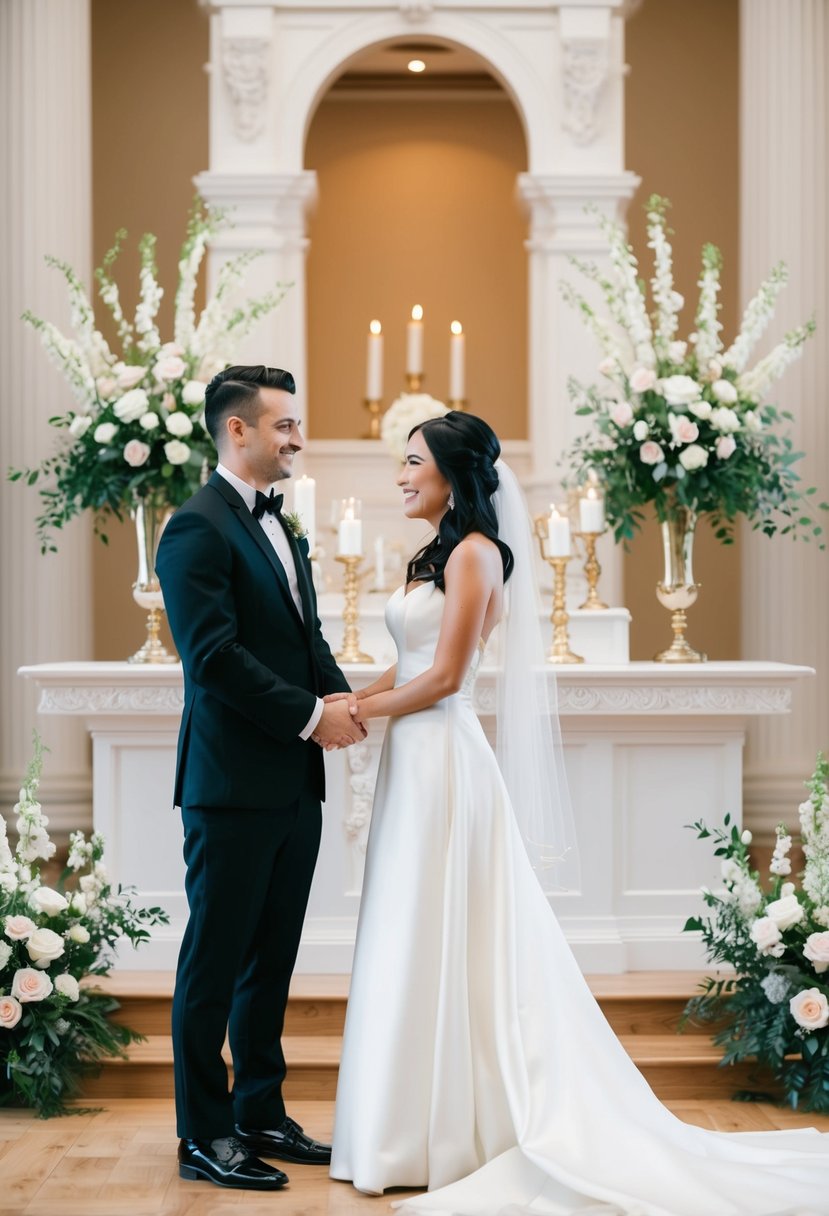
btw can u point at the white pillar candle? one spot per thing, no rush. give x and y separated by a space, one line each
558 534
591 511
350 532
379 564
374 363
305 505
414 342
457 358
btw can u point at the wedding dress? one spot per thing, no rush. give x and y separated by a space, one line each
476 1061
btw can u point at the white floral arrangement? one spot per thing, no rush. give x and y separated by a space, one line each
53 1027
683 422
776 1008
136 428
407 411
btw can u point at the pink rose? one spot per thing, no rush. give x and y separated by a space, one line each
11 1012
643 378
31 985
130 375
810 1009
651 453
622 413
171 367
18 928
816 951
136 453
726 444
683 430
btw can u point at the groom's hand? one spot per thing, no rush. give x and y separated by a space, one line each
338 727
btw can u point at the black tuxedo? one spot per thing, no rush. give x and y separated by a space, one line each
250 790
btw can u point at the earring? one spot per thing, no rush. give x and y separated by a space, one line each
451 503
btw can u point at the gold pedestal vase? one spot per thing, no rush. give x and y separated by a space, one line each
678 591
150 517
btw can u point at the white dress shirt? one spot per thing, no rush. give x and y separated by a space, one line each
275 533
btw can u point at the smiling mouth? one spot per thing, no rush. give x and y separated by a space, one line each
408 495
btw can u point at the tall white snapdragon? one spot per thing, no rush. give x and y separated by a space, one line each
708 343
636 320
199 232
667 301
755 383
109 293
211 330
68 358
150 298
814 829
89 340
602 331
756 317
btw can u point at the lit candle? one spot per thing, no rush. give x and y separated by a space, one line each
591 511
379 564
558 534
350 532
305 505
457 343
414 342
374 365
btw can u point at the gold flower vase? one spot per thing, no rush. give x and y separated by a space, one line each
150 517
677 591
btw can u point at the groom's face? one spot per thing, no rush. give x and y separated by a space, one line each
269 445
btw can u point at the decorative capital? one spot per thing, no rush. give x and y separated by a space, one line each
246 69
585 67
416 10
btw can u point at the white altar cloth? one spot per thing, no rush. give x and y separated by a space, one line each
649 749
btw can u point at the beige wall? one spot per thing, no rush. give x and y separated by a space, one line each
417 205
379 182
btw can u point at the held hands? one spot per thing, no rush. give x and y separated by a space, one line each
340 724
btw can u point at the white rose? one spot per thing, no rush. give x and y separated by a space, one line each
680 390
79 425
693 457
79 934
765 935
642 379
106 386
193 392
787 889
651 453
67 985
179 424
171 348
30 985
640 430
18 928
752 422
129 375
5 954
683 430
136 453
171 367
132 405
621 414
724 391
810 1009
701 409
677 351
105 432
78 902
176 452
726 446
44 946
724 419
11 1011
149 421
816 951
50 902
785 912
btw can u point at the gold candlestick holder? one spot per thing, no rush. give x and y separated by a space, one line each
375 411
458 403
414 381
560 651
592 570
351 652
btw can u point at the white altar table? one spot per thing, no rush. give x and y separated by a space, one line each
649 748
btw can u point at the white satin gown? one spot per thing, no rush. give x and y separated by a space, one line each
476 1061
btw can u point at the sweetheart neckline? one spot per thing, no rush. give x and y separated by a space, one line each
481 643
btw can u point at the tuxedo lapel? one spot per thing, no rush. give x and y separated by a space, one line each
237 504
303 576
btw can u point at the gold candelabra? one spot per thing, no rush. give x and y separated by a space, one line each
592 570
414 381
458 403
560 651
351 652
375 410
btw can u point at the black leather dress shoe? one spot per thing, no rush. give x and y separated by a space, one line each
287 1142
235 1167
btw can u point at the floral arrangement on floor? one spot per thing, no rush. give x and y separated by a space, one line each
54 1028
775 1009
136 427
406 411
682 423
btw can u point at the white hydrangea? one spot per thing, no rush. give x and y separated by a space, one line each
776 987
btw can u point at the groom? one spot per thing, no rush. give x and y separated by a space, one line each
240 600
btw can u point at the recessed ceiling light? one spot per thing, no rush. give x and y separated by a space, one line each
417 65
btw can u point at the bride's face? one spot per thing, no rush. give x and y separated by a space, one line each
425 489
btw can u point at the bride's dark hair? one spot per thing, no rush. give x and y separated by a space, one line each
465 449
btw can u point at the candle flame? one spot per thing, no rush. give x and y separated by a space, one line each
376 327
591 493
456 327
417 313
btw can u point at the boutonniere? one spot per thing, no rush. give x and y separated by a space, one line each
294 524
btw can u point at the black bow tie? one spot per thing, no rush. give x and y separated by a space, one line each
267 502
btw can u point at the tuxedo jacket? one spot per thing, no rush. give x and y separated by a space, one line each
253 665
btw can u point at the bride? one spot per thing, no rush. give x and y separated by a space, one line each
476 1061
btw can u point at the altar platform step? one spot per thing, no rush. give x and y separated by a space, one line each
643 1009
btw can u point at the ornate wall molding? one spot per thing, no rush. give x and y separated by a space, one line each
103 699
660 698
246 72
585 67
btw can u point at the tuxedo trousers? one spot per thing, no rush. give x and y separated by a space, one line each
248 878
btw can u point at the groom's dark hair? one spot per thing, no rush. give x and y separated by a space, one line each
236 391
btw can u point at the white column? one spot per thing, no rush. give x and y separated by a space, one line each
45 149
784 134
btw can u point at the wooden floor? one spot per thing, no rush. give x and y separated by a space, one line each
122 1162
